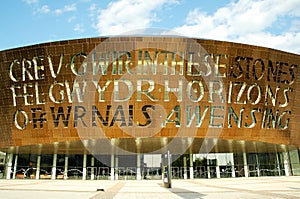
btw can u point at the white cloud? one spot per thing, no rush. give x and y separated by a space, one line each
79 28
92 11
246 21
288 41
71 19
70 8
66 8
295 25
45 9
31 1
123 15
92 7
42 10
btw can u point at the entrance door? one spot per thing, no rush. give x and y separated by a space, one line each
253 169
103 173
152 173
130 173
225 172
239 170
91 173
213 171
175 172
201 172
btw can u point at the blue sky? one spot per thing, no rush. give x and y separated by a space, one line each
270 23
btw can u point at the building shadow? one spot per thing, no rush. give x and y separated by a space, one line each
185 193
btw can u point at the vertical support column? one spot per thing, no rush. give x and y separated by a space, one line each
9 165
117 168
148 173
245 165
162 164
53 173
15 166
84 167
66 167
112 167
166 171
138 165
286 163
208 169
38 167
218 169
184 168
257 165
232 168
278 164
169 170
191 167
93 169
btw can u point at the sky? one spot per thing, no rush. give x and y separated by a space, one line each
268 23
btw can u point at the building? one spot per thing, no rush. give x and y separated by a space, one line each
111 108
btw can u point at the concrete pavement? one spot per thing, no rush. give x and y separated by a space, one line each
261 187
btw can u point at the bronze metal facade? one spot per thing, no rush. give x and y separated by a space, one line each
250 101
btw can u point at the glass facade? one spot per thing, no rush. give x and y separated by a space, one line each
149 166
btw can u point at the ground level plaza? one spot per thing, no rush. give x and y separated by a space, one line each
247 188
149 166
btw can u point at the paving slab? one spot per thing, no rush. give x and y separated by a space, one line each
248 188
